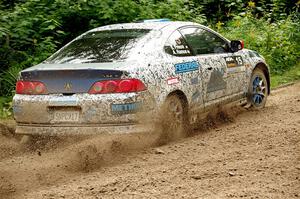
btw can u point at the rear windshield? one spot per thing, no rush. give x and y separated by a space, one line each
101 46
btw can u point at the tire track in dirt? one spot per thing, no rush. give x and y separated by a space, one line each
249 154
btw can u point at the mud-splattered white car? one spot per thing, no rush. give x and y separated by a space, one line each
117 77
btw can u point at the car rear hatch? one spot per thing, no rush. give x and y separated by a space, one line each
70 80
67 101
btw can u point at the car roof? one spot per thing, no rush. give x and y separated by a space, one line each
144 25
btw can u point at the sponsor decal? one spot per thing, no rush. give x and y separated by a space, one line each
172 80
186 67
195 80
234 61
216 82
126 108
196 95
182 52
110 75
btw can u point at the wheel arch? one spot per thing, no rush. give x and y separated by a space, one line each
182 97
266 72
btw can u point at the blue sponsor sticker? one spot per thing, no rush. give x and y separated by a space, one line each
125 108
186 67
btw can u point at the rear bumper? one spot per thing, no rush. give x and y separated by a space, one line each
90 109
80 130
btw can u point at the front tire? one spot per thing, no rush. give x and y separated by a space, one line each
258 89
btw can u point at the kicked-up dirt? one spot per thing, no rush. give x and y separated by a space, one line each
238 154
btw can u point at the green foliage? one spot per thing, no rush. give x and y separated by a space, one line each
31 30
278 42
5 107
221 10
225 10
8 79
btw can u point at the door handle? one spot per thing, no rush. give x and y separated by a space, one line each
210 68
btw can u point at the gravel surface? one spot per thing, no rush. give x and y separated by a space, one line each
242 154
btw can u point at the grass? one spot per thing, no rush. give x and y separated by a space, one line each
288 76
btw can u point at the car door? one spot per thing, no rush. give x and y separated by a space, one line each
214 56
185 68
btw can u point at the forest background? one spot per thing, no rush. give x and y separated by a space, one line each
31 30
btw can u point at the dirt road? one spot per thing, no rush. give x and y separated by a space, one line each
243 154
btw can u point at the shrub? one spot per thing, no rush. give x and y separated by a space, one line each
34 29
5 107
278 42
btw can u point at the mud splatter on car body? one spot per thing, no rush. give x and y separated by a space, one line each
164 57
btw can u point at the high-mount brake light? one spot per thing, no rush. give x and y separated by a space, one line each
117 86
30 88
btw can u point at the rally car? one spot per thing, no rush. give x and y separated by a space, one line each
117 79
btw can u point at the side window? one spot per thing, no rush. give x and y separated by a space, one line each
176 45
204 42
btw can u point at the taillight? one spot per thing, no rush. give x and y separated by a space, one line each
30 88
117 86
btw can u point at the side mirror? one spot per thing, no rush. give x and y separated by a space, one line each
236 45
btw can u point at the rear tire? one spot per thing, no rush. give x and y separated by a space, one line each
173 124
258 89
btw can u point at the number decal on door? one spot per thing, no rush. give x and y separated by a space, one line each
234 61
